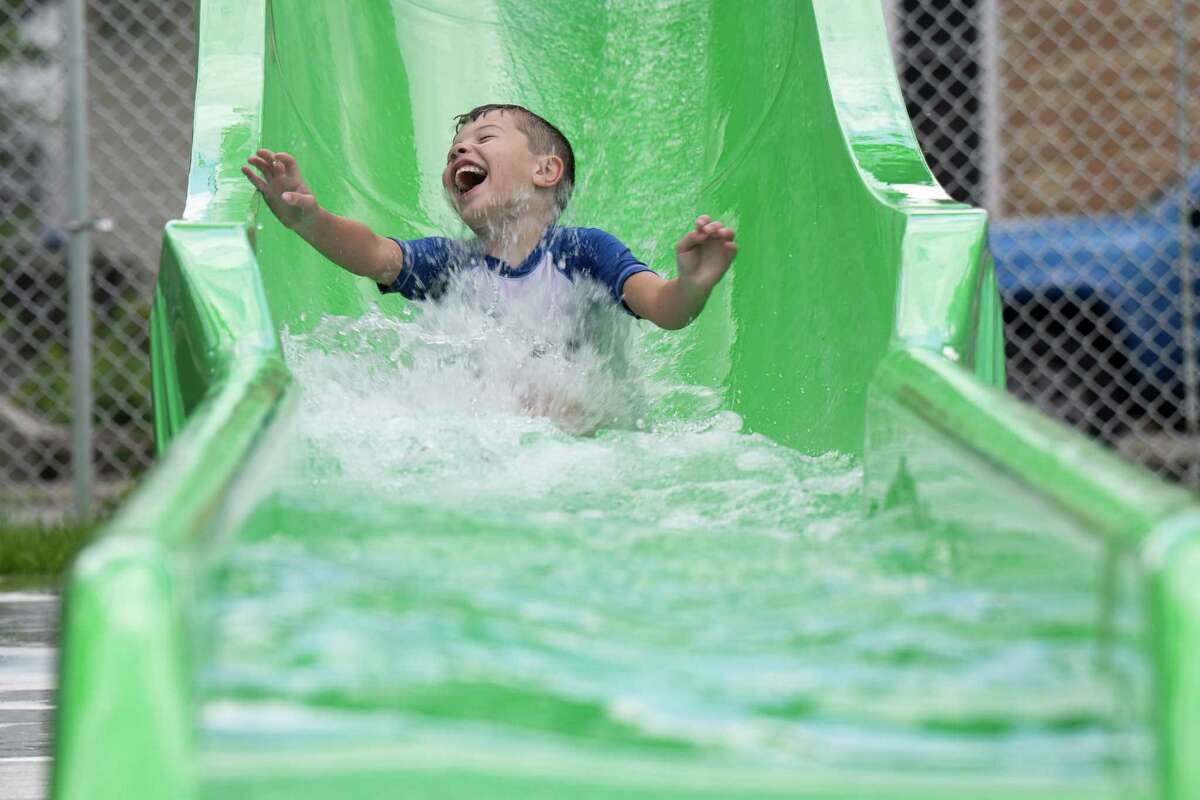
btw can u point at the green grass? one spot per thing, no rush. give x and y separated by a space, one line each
28 550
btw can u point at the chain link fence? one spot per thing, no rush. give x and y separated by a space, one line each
141 63
1073 123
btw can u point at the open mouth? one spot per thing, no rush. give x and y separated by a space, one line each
469 176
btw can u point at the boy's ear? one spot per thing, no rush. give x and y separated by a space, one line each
549 171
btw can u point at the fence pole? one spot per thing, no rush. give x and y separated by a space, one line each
989 37
79 255
1187 299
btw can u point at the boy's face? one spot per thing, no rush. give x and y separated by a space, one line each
489 168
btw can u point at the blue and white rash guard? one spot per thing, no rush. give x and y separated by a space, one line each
561 257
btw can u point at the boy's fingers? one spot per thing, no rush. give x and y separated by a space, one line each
274 165
258 182
265 167
300 200
718 229
289 163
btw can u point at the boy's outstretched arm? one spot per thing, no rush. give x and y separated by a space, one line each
349 244
703 256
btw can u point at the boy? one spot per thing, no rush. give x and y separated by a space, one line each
508 175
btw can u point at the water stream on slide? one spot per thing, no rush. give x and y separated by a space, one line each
489 519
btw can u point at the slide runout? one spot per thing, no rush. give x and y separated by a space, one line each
946 443
908 308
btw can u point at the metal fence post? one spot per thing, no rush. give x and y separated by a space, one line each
79 255
1187 299
75 418
992 161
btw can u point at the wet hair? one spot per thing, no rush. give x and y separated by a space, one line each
543 138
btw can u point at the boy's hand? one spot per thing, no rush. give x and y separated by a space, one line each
288 197
704 255
349 244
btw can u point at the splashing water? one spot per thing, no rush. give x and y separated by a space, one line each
479 353
484 521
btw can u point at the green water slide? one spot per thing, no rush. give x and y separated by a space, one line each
861 318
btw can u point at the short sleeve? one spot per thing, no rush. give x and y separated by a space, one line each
426 265
608 261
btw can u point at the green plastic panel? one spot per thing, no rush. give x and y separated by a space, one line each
861 316
752 140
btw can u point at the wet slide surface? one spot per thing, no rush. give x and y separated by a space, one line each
468 549
429 567
426 565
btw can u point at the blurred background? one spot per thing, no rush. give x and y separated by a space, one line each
140 68
1073 123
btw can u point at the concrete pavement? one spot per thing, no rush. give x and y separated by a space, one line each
28 638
